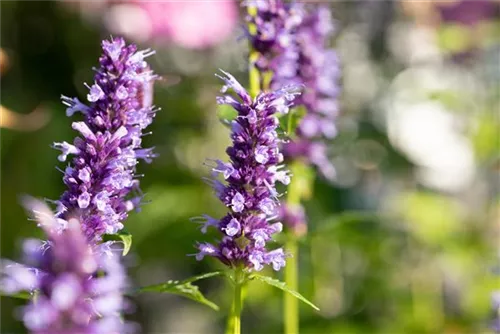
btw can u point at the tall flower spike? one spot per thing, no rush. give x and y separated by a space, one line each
249 190
78 287
101 176
291 39
275 23
317 67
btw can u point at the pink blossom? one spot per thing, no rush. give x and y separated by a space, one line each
191 24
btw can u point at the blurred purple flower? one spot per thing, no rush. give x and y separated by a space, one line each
318 69
101 176
76 288
468 12
292 39
294 217
251 174
275 23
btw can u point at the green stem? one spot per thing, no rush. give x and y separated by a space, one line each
253 72
234 321
291 313
291 304
237 309
230 319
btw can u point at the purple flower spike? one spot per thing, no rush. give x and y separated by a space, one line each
276 23
291 40
101 176
318 69
78 287
249 190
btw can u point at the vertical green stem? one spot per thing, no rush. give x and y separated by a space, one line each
237 309
291 304
253 72
234 320
230 320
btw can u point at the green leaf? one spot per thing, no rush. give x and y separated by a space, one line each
185 288
122 236
19 295
282 286
203 276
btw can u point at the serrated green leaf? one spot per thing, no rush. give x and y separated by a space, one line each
122 236
203 276
282 286
19 295
185 289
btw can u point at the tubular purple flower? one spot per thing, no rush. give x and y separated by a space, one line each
101 176
76 287
249 190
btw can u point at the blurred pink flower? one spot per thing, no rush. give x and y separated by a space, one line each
191 24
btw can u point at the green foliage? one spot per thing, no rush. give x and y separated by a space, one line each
282 286
123 237
185 289
20 295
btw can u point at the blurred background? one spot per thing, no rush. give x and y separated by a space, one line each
406 240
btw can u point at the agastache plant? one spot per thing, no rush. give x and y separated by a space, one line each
101 178
76 287
75 282
250 176
288 44
249 188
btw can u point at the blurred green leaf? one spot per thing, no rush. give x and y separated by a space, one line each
282 286
185 288
123 237
19 295
454 38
